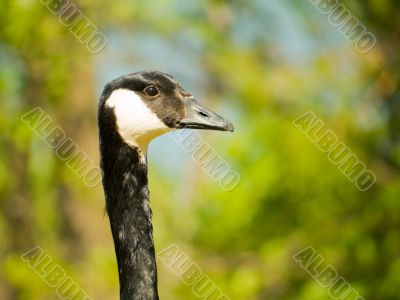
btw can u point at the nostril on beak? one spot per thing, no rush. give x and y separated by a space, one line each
203 114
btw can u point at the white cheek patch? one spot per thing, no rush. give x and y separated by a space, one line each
137 124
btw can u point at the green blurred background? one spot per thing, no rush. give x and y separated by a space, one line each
260 63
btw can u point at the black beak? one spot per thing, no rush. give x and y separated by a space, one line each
199 117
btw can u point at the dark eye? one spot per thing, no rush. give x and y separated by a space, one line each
151 91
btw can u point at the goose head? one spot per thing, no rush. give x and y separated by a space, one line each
146 104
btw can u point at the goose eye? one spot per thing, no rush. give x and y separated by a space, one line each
151 91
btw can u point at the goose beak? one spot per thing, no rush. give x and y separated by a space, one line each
200 117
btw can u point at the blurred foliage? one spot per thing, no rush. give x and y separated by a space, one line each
266 62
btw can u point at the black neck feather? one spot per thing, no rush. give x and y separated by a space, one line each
127 202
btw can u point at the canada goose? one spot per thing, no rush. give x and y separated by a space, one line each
134 109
